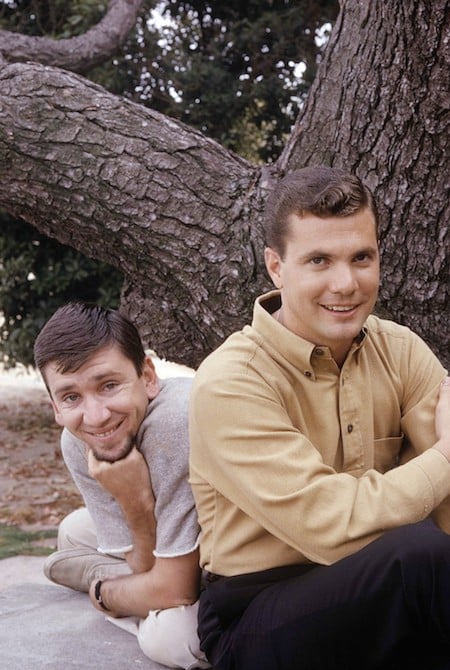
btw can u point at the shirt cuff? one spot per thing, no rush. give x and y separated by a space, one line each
436 468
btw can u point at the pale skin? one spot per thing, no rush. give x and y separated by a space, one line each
171 582
328 276
104 403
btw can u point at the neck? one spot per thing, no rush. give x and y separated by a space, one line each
339 356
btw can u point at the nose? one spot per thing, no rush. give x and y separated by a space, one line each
343 279
95 412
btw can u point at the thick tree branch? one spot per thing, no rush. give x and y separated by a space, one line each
177 213
79 54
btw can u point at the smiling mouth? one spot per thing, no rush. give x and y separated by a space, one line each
107 433
339 308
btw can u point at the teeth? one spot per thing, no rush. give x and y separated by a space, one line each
107 434
339 308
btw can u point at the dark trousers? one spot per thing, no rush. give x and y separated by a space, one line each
385 607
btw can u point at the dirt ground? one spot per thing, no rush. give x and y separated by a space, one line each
36 491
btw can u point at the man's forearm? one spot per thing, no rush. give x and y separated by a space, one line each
130 596
171 583
128 481
142 524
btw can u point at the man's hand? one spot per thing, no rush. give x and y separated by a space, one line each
126 478
442 419
128 481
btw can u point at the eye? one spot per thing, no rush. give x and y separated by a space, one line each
317 260
362 257
110 386
70 398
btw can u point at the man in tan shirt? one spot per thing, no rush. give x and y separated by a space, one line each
320 458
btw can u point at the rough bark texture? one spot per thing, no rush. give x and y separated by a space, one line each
79 54
181 216
380 105
174 211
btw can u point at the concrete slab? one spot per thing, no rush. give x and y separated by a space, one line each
49 627
22 570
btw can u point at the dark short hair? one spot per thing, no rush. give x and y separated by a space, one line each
321 191
77 330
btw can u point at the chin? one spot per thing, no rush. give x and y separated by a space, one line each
113 455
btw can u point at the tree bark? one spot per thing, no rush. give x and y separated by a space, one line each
180 216
79 54
174 211
380 106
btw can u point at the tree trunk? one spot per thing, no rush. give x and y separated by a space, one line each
380 106
181 216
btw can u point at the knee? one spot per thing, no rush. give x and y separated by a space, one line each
420 567
65 533
418 543
161 628
74 531
154 638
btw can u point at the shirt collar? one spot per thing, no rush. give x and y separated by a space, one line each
292 347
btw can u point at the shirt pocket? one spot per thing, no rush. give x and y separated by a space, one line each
386 453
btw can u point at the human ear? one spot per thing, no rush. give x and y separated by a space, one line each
151 381
57 414
273 264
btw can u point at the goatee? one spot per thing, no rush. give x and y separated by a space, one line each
127 447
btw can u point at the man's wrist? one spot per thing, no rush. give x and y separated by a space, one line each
98 596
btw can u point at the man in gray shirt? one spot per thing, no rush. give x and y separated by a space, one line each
134 547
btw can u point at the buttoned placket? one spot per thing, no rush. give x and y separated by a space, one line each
351 429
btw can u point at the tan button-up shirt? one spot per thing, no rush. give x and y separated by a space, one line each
293 459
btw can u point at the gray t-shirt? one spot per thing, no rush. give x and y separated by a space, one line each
163 440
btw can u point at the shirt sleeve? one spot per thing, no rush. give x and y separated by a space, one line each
113 535
424 374
165 446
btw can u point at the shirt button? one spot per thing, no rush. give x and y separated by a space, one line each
349 428
307 373
319 352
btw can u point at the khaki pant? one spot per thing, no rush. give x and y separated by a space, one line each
166 636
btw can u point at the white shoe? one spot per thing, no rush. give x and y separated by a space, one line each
78 567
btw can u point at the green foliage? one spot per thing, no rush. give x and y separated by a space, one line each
228 68
54 18
37 275
231 69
